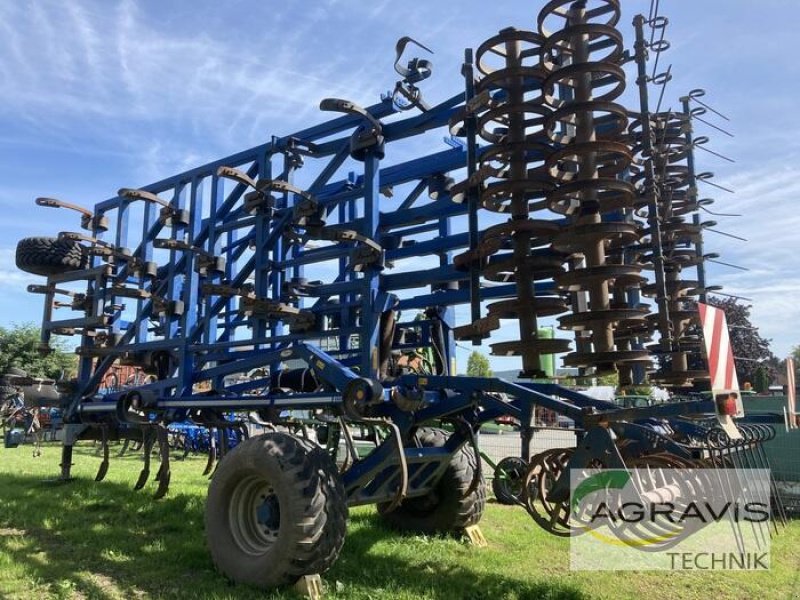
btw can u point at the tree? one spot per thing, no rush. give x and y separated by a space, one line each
19 347
478 365
781 365
761 379
795 354
750 350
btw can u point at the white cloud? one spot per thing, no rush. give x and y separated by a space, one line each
11 278
119 93
116 65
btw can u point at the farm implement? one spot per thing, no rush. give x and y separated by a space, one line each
331 272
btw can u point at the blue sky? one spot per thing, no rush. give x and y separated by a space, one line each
97 95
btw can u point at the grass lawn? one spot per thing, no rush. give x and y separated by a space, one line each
105 541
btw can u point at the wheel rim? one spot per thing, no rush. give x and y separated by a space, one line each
254 515
511 476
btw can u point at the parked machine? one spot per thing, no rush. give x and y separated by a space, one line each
319 272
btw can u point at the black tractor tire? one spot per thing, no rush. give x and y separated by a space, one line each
448 508
509 480
276 511
16 372
49 256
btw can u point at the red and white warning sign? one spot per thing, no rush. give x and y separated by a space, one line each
721 367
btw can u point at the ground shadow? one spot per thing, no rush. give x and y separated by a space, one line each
434 578
107 541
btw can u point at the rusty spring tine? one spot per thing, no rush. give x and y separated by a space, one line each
754 487
103 468
767 434
715 443
164 474
652 19
699 93
664 78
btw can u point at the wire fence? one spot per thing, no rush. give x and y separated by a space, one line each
784 457
496 446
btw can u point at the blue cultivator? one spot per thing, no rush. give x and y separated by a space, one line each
324 272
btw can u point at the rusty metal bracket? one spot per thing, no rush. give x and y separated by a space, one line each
89 220
477 329
299 320
370 253
169 215
255 201
79 300
251 306
164 307
108 252
406 95
367 138
205 262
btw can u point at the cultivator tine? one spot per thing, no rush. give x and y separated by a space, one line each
148 441
103 468
164 474
125 443
223 447
212 452
275 285
186 447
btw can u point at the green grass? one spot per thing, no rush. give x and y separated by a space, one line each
105 541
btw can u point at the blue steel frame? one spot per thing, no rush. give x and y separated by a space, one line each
225 255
